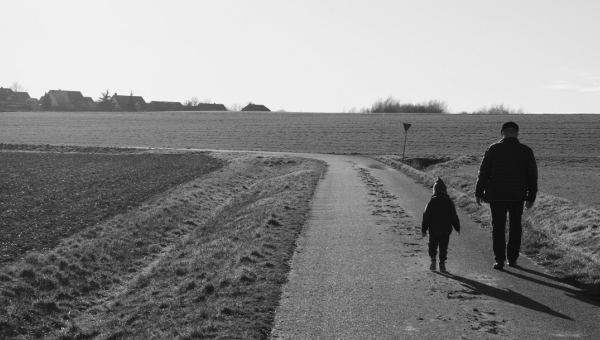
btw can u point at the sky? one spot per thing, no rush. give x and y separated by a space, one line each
310 56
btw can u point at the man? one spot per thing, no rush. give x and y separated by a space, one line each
507 180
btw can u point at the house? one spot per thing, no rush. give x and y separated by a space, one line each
210 107
164 106
59 100
255 107
90 103
128 103
16 101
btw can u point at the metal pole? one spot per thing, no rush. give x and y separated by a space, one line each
404 150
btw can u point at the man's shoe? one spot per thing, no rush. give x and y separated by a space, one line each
498 266
512 263
432 266
442 266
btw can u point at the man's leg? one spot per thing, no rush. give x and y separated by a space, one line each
515 211
499 210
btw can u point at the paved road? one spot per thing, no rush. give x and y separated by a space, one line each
361 272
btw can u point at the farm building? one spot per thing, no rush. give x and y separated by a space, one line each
164 106
129 103
66 101
255 107
16 101
210 107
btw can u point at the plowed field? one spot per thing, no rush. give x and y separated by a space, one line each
567 146
48 196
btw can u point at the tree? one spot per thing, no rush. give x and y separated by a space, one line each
131 104
46 102
106 104
235 107
16 87
192 102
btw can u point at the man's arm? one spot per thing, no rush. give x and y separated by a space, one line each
483 175
532 180
454 217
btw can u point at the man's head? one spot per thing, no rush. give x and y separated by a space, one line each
510 129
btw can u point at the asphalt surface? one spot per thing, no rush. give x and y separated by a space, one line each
361 271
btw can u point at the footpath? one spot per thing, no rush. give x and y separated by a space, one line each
361 271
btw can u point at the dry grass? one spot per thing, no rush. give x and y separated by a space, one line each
562 235
203 260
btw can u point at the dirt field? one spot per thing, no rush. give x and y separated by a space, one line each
567 146
45 197
144 245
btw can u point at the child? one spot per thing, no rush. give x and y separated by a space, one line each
439 218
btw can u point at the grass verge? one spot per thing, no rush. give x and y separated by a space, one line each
559 234
206 259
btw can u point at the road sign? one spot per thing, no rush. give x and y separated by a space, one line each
406 127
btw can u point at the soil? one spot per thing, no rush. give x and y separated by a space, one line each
48 196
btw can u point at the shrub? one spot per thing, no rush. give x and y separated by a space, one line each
392 105
498 109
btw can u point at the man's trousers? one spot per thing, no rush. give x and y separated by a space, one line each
502 251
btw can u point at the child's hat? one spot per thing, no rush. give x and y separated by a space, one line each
439 186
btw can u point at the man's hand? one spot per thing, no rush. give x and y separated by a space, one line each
424 234
479 200
528 205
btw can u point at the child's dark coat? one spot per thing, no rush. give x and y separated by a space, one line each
440 215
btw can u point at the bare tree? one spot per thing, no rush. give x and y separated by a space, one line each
194 101
16 87
235 107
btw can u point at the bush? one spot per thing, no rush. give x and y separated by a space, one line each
498 109
392 105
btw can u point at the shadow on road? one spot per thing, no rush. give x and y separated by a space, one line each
505 295
571 292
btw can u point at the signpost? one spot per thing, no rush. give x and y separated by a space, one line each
406 127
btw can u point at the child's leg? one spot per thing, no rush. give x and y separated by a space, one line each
433 245
444 240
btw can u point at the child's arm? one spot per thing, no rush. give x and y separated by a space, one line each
426 220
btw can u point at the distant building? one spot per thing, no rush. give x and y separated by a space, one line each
16 101
59 100
164 106
210 107
129 103
255 107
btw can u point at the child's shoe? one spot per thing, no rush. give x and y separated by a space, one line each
442 266
432 266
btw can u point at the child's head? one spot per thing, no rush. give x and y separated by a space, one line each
439 186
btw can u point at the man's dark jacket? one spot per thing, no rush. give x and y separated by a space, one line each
440 215
508 172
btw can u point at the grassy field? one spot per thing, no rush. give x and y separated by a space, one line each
562 235
124 270
567 146
202 255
